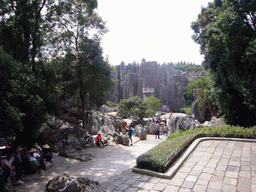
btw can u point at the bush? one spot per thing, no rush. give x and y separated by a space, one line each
162 156
111 104
186 110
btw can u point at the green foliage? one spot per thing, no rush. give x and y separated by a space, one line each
22 109
220 131
227 40
86 75
132 106
186 110
188 90
164 155
206 91
153 105
20 31
188 67
111 104
69 22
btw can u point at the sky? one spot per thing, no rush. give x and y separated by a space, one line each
156 30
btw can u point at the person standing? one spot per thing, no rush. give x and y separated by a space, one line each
157 131
130 132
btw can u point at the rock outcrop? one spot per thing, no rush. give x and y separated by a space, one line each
66 183
189 122
166 82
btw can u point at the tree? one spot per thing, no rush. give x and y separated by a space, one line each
87 76
21 30
75 31
228 44
153 105
131 107
22 109
67 23
208 96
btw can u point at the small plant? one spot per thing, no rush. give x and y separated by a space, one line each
111 104
186 110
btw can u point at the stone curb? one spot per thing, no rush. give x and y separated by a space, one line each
174 169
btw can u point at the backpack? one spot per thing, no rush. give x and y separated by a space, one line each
133 131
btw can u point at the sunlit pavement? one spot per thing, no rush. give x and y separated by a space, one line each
215 165
106 163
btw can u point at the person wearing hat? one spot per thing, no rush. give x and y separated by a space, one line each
47 153
39 149
98 140
17 162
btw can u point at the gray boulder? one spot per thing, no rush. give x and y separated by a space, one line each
138 129
182 123
66 183
119 139
126 140
152 128
143 134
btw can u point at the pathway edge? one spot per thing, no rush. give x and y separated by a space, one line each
173 169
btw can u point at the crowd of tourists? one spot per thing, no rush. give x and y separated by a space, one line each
161 122
14 162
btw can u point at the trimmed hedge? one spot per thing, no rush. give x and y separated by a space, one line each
162 156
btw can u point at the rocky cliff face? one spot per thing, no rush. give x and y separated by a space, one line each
166 81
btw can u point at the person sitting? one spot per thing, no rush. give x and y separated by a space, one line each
33 160
4 173
15 174
98 140
38 148
47 153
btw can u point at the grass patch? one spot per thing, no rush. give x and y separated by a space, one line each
186 111
162 156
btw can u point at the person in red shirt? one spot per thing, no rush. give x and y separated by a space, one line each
98 140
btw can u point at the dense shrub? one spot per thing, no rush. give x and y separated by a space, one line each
163 155
186 110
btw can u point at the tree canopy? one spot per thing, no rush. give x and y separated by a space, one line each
153 105
226 33
134 106
49 48
22 108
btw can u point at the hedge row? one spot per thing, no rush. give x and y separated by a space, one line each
161 157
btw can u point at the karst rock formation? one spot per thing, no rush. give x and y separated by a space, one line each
150 78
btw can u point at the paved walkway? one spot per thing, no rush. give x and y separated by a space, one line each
215 165
107 162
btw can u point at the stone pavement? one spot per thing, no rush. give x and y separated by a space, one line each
214 165
106 162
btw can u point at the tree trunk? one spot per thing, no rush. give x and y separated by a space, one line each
83 110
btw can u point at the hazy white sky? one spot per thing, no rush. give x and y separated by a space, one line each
157 30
